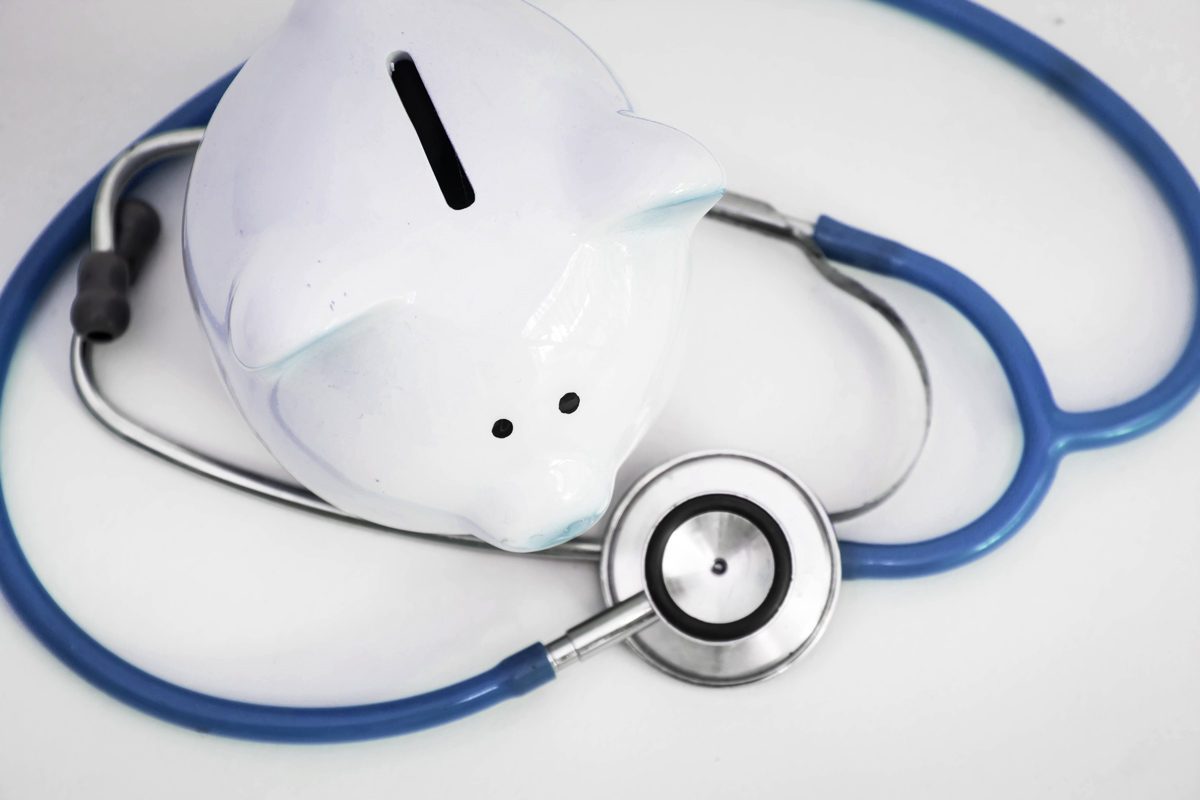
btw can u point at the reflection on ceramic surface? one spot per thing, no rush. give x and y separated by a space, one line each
406 360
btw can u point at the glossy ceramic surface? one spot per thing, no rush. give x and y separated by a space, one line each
412 363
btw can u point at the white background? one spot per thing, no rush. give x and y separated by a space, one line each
1063 665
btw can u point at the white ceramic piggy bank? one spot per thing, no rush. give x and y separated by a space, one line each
441 263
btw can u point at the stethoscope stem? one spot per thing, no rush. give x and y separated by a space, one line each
611 626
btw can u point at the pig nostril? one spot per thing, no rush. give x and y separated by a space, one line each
502 428
568 403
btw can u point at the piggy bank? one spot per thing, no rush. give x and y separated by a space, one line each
441 263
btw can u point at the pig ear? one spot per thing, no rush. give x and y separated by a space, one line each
633 165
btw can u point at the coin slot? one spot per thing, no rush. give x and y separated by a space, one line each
447 169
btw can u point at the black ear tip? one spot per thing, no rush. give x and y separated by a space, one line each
134 213
138 228
100 311
100 316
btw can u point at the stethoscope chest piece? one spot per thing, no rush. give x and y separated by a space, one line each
738 559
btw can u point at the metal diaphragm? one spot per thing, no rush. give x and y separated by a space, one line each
738 559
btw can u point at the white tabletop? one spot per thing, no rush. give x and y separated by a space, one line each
1063 665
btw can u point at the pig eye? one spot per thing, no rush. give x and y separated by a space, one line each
502 428
568 403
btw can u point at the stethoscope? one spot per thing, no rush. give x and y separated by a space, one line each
718 568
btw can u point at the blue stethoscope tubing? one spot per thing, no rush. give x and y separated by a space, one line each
1049 432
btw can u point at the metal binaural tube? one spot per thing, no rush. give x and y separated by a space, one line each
132 161
250 481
